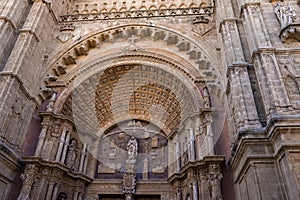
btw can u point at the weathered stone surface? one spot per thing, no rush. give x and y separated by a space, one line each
208 90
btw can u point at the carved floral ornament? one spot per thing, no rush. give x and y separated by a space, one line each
286 16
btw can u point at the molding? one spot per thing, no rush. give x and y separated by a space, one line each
197 11
9 20
19 80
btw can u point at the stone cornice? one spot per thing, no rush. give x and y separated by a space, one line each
9 20
57 165
217 159
263 135
19 80
195 11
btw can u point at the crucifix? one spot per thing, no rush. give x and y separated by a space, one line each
132 39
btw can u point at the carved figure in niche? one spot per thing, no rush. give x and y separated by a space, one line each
285 15
72 154
52 100
206 98
132 149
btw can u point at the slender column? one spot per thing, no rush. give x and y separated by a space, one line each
177 156
210 139
195 190
28 178
146 169
49 191
61 144
63 157
80 196
82 158
75 195
86 160
55 192
192 144
41 141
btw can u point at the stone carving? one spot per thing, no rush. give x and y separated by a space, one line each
132 150
72 155
129 183
285 14
215 178
65 36
129 178
206 98
52 100
290 32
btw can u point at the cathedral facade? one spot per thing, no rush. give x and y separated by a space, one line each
149 99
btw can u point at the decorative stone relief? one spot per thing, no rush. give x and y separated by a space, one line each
52 100
72 154
129 178
285 14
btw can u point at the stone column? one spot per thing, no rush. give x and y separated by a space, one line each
61 144
209 136
192 144
41 141
64 153
82 158
177 156
145 169
55 190
203 185
75 195
50 190
215 178
86 159
28 178
80 196
195 190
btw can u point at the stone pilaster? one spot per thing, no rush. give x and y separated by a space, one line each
271 82
257 34
28 178
241 99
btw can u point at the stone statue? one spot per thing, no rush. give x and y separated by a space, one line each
285 15
52 100
132 150
72 154
206 98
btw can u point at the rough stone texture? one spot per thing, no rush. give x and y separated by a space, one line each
209 89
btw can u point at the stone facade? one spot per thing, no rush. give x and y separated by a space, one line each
160 99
